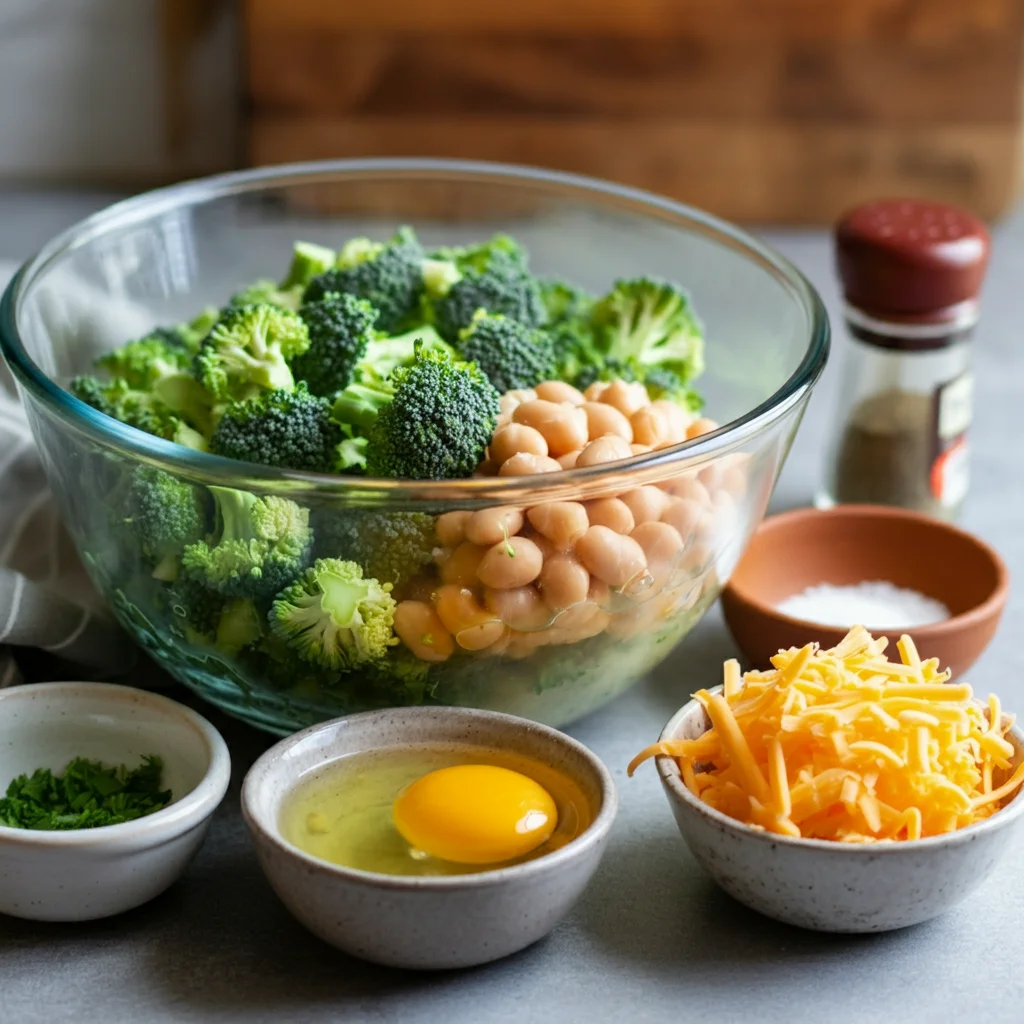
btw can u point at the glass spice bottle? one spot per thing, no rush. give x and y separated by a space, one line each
911 273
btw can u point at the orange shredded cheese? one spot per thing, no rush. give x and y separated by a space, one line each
849 746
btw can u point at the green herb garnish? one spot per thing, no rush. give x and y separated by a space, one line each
87 795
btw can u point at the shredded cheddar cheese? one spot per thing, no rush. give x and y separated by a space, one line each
849 746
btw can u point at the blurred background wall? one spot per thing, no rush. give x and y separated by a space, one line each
125 93
782 111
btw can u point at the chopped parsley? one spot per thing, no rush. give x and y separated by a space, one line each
87 795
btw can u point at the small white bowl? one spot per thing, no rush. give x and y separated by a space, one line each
96 872
829 886
434 922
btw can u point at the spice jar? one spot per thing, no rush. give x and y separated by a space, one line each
911 272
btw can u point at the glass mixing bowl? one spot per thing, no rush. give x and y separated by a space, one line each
161 257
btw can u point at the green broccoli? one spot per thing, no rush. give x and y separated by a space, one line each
266 292
370 389
340 329
248 349
393 547
165 514
192 333
192 610
291 429
647 324
564 301
308 260
258 546
495 277
438 423
334 616
389 275
239 625
139 409
509 354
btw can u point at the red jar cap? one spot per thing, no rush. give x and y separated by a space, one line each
910 257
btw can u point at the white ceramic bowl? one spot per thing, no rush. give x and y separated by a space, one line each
89 873
436 922
828 886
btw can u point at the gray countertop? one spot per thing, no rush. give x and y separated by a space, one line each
652 939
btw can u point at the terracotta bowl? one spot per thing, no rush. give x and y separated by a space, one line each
850 543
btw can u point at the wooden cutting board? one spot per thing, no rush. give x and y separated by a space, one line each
759 110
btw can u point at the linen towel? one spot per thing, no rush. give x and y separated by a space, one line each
46 599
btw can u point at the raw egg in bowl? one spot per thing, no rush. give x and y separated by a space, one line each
429 837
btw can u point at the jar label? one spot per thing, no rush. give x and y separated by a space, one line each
954 407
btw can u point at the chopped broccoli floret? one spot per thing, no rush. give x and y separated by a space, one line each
166 514
495 277
258 546
389 275
438 423
193 610
291 429
266 292
334 616
393 547
510 354
139 409
359 404
239 625
248 349
647 324
564 301
308 260
142 363
340 329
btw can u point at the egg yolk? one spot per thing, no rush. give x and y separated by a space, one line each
475 814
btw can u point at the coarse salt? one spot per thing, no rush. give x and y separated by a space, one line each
873 604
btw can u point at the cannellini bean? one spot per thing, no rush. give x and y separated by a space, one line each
594 622
661 542
490 525
564 426
690 487
651 426
578 616
646 503
559 391
516 438
525 464
510 563
520 608
568 460
486 468
610 512
684 515
610 556
596 390
639 449
701 426
517 397
450 528
472 625
563 582
420 628
711 476
627 398
606 419
678 418
562 522
460 566
604 449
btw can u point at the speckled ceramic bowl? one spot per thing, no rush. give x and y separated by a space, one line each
828 886
96 872
436 922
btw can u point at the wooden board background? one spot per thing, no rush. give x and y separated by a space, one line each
760 110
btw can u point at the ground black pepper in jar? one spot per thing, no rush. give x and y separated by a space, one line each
911 272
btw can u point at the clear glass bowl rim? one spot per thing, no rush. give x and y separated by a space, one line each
204 467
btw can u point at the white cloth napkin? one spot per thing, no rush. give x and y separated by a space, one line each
47 602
